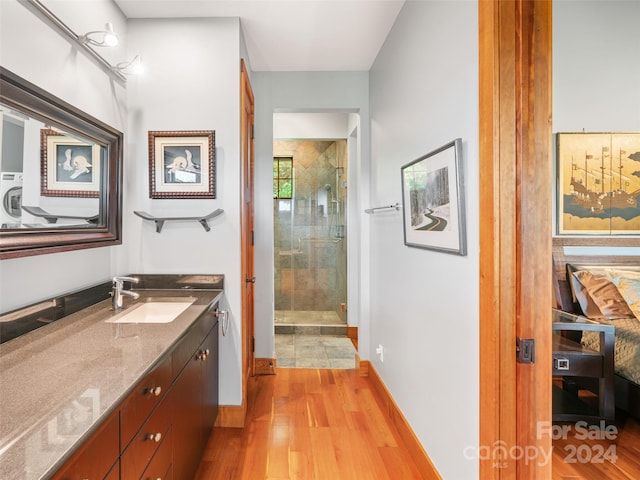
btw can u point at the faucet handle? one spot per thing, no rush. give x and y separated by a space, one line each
120 280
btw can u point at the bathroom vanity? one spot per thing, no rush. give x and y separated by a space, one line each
94 396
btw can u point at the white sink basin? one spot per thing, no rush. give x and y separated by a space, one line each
153 311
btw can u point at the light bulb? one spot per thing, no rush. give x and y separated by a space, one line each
110 37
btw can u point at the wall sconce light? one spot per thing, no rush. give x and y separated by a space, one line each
101 38
132 67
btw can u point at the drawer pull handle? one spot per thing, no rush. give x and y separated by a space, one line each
155 391
561 363
154 437
203 354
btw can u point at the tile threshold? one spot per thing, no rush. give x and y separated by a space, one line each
308 329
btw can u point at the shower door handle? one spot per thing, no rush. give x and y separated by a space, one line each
250 280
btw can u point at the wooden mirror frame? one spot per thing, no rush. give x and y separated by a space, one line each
27 98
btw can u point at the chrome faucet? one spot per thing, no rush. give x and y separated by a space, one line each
117 292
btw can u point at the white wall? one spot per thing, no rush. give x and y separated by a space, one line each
191 82
424 304
296 92
310 125
596 66
50 60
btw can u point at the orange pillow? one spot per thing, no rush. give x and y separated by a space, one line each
582 297
604 294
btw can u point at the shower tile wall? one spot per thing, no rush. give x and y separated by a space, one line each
309 230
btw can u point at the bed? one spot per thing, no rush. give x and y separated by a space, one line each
612 289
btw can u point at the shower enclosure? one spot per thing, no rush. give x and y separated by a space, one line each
310 191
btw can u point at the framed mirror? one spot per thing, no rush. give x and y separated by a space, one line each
60 174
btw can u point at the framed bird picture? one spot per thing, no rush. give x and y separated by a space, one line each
69 166
182 164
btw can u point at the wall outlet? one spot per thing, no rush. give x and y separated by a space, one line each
380 351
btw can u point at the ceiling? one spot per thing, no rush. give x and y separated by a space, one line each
292 35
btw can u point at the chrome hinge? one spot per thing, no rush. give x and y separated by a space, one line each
525 350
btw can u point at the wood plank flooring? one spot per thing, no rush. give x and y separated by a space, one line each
309 424
599 458
317 424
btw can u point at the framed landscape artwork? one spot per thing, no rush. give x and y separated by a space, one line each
433 200
598 178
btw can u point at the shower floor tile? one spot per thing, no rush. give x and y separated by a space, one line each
314 351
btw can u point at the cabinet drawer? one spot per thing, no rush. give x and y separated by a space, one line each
143 399
147 441
186 349
569 364
96 456
161 461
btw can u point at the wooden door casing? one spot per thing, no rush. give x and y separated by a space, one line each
515 233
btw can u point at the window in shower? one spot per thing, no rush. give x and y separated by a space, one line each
283 177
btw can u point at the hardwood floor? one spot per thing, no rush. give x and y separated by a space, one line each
316 424
309 424
597 457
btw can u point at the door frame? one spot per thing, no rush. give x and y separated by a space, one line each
247 226
516 184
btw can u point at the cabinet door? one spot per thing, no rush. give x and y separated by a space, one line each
186 395
210 383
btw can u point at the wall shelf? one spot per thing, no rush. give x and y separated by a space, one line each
159 221
53 217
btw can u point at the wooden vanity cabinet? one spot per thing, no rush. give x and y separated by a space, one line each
160 430
97 456
195 397
114 474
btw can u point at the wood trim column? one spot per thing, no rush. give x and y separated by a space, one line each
515 234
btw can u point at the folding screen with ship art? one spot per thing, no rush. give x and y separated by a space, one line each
598 183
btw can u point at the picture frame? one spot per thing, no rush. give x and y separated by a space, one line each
433 200
69 167
182 164
598 184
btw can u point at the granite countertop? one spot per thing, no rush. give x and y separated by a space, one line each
59 382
